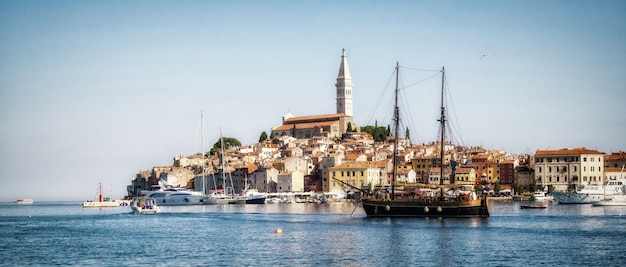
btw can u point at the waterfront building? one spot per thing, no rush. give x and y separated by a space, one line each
565 169
364 175
615 160
507 172
465 176
434 176
524 177
290 182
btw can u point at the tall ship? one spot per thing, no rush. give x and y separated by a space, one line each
448 203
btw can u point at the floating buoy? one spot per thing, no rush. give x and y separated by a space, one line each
426 209
278 231
387 208
439 209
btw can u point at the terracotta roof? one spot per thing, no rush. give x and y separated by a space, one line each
309 125
617 156
315 118
564 152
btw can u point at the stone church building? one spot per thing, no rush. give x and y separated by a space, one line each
329 125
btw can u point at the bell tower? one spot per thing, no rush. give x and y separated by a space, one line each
344 87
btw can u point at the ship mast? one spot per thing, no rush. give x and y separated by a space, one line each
396 121
442 121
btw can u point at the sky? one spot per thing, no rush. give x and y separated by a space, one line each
95 91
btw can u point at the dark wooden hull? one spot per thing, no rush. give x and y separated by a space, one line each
445 209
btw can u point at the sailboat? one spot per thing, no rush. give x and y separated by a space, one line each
384 204
221 197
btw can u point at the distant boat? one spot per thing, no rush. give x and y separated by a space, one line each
23 201
101 202
144 205
522 197
388 204
533 206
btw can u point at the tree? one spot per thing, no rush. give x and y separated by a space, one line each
378 133
263 137
496 187
533 187
294 132
349 127
228 143
272 135
407 135
515 188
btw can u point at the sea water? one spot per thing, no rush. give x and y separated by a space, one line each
337 234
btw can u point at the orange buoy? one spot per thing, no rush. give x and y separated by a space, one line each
278 231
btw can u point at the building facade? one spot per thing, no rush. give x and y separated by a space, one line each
569 169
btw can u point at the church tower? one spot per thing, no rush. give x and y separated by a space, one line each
344 87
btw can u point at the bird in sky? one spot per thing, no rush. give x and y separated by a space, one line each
484 56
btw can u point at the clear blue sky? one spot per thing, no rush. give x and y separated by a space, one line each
95 91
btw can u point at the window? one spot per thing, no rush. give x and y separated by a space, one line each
585 159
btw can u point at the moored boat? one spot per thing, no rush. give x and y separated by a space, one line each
144 205
540 196
389 204
533 206
618 199
253 196
101 202
591 193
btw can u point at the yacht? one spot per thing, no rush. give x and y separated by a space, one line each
591 193
176 196
616 199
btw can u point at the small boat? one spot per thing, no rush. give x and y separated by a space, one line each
615 200
23 201
524 207
144 205
101 202
253 196
522 197
540 196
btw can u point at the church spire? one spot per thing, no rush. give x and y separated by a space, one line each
344 87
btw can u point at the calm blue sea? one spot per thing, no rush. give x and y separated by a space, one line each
63 233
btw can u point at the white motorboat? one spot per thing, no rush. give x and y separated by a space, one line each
614 200
144 205
176 196
541 196
23 201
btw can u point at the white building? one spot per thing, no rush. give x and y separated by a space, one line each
569 168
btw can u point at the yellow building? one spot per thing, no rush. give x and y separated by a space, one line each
361 175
